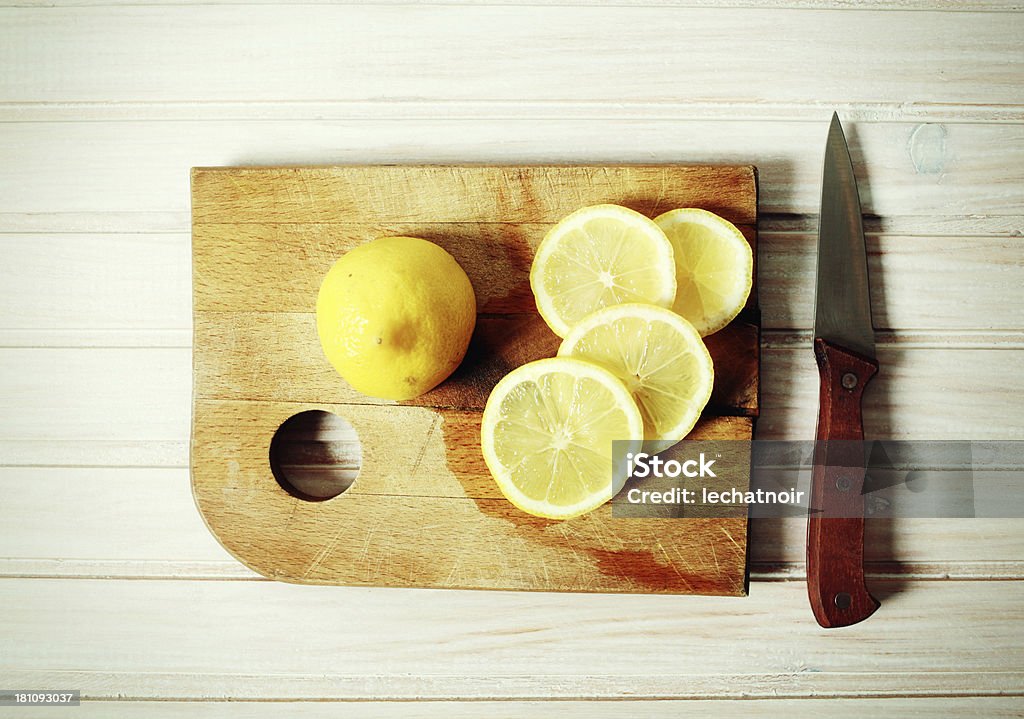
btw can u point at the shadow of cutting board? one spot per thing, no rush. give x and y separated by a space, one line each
424 512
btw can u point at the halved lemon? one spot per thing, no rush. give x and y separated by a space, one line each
600 256
658 356
714 267
547 434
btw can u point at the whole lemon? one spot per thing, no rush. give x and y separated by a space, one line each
395 316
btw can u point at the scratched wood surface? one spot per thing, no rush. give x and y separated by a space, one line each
113 583
423 510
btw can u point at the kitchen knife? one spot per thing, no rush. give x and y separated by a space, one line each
844 347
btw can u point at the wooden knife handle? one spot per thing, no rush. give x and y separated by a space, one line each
835 541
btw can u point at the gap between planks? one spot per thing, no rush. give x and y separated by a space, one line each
231 571
514 110
990 6
935 638
933 56
804 708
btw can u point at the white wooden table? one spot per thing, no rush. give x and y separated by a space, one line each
110 583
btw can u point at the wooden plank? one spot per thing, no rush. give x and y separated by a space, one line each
104 515
200 53
98 289
131 405
407 451
916 282
95 281
923 178
236 365
118 638
918 393
102 527
922 708
229 569
439 194
924 548
495 255
126 452
106 396
425 512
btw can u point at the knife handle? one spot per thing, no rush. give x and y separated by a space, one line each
835 541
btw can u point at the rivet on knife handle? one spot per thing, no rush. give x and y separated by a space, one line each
835 541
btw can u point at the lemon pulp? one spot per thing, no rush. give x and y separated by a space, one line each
600 256
547 434
659 357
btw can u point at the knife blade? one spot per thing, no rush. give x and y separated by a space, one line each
844 349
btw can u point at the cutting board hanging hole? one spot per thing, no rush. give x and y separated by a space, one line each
315 455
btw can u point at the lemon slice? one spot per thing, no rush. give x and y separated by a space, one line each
658 356
547 436
714 267
599 256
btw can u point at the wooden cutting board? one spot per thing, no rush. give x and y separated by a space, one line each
424 511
